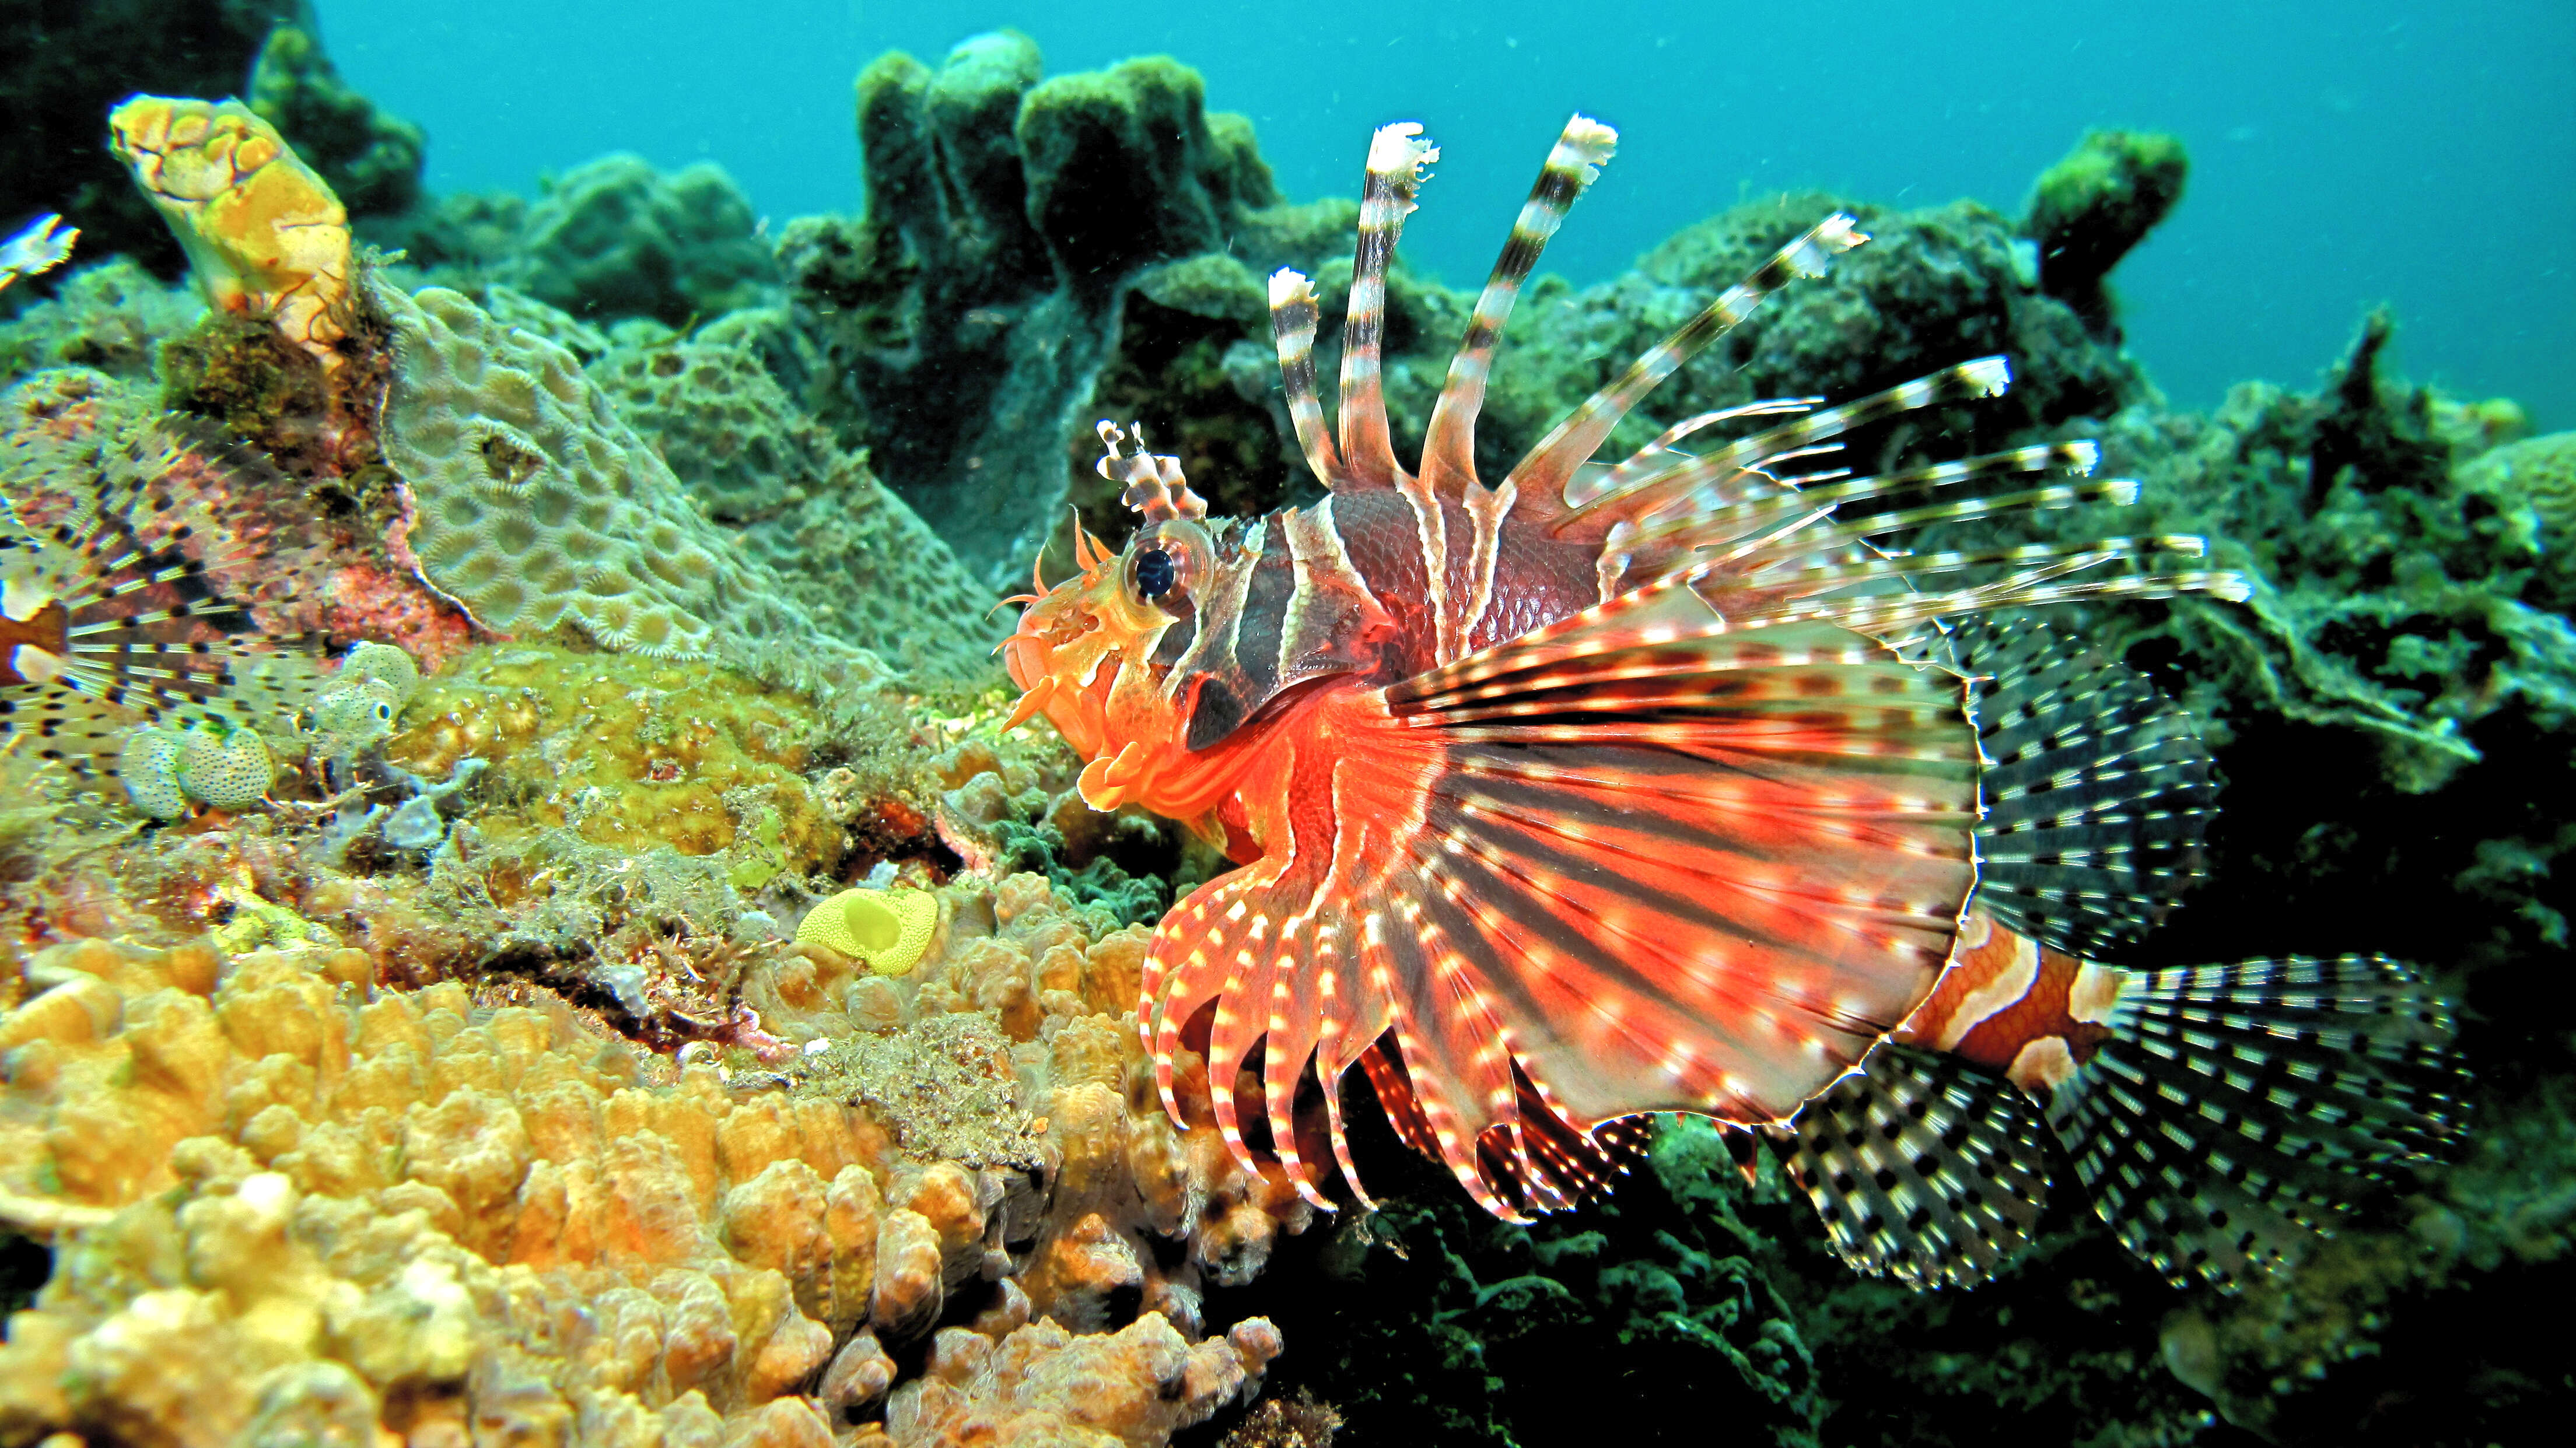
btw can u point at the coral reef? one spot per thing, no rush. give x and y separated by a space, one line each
110 316
538 508
615 238
847 551
628 751
282 1192
263 233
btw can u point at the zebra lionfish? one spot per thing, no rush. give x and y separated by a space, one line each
1660 785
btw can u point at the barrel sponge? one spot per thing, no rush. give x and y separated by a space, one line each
537 508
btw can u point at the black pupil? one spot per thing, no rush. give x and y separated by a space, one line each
1153 573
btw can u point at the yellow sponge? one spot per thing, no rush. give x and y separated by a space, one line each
889 929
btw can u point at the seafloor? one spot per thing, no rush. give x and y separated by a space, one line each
467 1088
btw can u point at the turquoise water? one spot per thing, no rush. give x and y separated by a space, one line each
2343 154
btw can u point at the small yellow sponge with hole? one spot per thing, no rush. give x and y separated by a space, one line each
888 929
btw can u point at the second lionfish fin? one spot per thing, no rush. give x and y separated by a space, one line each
2229 1118
148 579
1923 1168
2097 793
1449 445
1664 485
1552 465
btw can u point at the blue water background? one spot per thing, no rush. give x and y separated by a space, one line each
2343 154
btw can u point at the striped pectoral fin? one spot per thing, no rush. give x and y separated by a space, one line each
1657 865
2235 1112
1923 1167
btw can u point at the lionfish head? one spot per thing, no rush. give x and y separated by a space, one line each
1099 653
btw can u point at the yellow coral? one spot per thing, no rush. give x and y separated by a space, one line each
288 1203
889 929
262 232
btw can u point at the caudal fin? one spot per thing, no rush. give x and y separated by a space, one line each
2235 1109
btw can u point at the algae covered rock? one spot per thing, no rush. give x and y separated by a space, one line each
2090 209
616 238
956 327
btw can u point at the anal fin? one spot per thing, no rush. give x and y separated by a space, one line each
1923 1168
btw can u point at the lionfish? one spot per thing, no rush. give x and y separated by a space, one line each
1666 785
133 577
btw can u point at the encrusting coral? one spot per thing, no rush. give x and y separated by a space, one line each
537 507
847 551
281 1193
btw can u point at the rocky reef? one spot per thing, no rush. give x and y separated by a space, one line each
468 1079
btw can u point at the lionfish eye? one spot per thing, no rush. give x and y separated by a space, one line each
1154 573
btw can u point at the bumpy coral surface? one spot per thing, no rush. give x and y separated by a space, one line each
286 1198
539 508
628 751
846 549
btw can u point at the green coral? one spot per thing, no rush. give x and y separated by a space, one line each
2090 209
1434 1323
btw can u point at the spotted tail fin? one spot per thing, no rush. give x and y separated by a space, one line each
2235 1109
1923 1169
